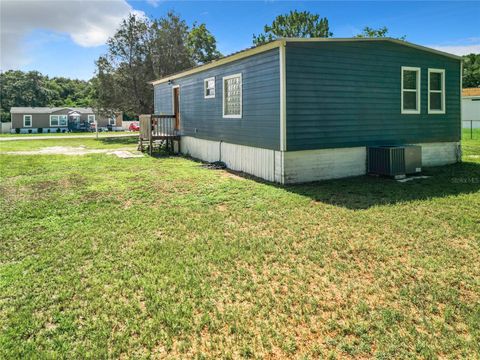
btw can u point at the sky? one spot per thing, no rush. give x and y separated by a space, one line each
65 37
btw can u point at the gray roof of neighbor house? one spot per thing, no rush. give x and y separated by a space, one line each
48 110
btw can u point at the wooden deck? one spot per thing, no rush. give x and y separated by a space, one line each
157 131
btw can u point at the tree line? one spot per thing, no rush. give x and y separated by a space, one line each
143 49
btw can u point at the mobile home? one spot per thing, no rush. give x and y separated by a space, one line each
298 110
59 119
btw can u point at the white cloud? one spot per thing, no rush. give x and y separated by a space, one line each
153 3
88 23
458 49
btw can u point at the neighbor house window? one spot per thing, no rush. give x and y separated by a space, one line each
209 88
436 91
232 96
111 121
27 120
410 101
58 120
91 119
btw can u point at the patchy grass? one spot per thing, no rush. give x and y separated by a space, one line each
159 257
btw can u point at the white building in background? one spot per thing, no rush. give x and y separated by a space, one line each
471 108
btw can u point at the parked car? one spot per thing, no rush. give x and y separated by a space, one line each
134 127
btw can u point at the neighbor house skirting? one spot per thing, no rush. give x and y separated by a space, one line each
303 166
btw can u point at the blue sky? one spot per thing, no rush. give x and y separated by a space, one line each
63 50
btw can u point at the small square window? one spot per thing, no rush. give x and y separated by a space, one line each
209 88
91 119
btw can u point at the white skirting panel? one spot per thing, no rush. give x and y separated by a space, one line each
313 165
263 163
205 150
436 154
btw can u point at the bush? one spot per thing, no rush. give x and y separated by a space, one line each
58 130
40 130
29 131
64 130
17 130
48 131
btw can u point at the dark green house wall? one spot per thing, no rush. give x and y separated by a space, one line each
347 94
202 118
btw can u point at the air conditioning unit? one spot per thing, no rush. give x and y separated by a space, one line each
395 161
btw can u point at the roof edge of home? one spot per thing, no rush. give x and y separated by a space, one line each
277 43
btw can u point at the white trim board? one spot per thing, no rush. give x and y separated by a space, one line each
283 98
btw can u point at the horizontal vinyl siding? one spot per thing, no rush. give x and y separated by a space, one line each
348 94
202 118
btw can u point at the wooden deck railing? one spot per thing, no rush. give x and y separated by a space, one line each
158 128
164 125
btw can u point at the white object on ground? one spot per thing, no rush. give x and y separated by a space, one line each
413 178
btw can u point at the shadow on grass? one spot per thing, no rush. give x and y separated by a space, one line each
119 140
366 191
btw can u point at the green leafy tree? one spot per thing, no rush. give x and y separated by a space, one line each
202 44
381 32
471 70
125 64
142 50
168 51
294 24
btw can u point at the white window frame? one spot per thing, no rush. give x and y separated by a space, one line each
442 110
91 119
58 120
110 121
205 87
236 116
31 121
417 90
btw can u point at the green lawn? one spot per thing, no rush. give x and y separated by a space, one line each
102 257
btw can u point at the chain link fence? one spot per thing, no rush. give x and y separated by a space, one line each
471 129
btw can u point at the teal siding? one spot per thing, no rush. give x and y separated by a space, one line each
202 118
347 94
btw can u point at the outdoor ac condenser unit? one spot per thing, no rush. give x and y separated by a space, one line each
395 161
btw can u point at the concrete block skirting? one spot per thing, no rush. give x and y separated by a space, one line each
303 166
437 154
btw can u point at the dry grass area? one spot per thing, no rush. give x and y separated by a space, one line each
102 257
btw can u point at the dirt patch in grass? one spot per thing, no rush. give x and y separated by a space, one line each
78 150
